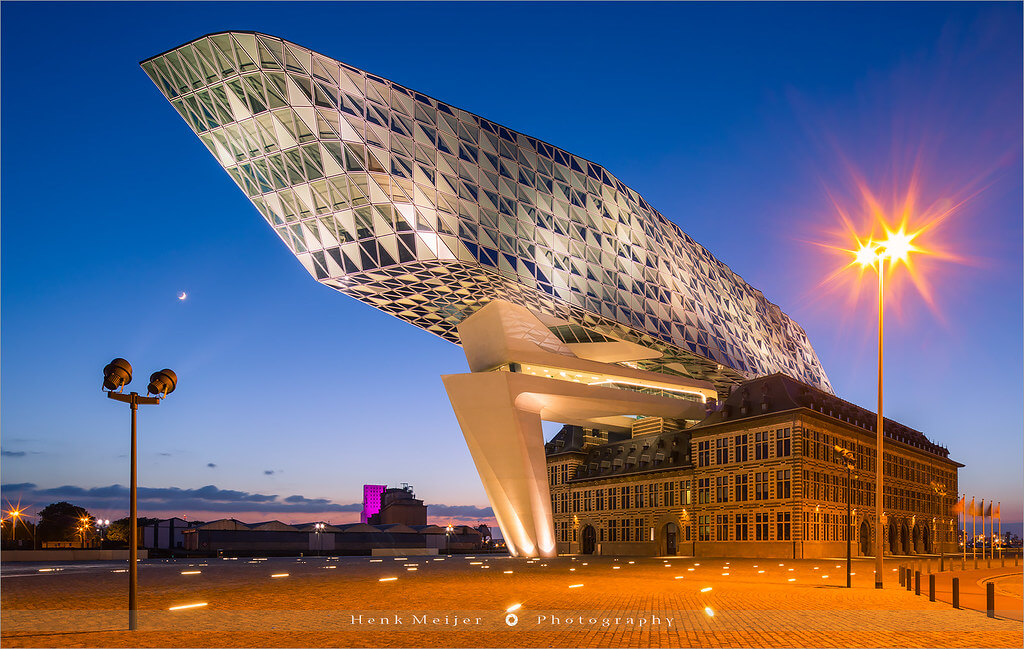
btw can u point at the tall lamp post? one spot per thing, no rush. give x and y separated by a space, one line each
116 375
448 538
318 528
101 527
848 456
895 248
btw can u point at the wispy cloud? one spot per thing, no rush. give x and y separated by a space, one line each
5 453
211 465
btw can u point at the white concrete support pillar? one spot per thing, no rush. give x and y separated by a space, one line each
506 441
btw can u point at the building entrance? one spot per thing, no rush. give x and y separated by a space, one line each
671 537
588 540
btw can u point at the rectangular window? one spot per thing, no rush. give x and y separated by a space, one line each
761 485
576 502
741 527
704 528
740 448
627 497
722 527
565 473
627 531
638 529
670 495
703 453
613 530
703 491
761 526
782 526
600 499
761 446
654 489
741 487
722 489
782 442
722 450
688 494
640 499
782 484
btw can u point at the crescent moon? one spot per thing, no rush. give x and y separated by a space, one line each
183 295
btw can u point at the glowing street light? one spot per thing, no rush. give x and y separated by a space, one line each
116 375
896 248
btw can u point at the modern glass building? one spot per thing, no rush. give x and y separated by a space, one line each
428 212
574 300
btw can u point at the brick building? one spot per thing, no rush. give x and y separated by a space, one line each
758 477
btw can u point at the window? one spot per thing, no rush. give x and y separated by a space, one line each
638 529
627 531
627 497
613 530
688 494
565 473
703 490
703 453
599 500
587 502
722 489
761 526
782 445
670 494
761 446
576 502
761 485
741 487
722 450
613 496
639 501
782 523
782 484
740 448
704 528
741 527
654 489
722 527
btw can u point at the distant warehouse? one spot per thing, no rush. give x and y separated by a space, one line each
230 536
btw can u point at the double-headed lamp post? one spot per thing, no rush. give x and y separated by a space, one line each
318 528
448 538
849 458
897 247
116 375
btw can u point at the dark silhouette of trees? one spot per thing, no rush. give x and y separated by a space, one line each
61 521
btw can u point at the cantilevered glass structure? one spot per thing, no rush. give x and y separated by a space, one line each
428 212
574 300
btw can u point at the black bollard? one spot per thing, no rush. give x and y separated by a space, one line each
990 598
910 580
903 575
956 592
917 582
931 588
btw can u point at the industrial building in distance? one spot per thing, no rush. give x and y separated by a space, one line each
574 300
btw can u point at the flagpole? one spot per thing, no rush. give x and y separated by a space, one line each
974 531
999 514
963 524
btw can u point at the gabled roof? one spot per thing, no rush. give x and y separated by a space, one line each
396 528
272 526
778 393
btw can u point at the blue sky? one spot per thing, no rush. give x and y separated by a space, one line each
737 121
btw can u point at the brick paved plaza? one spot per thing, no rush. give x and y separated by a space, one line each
462 601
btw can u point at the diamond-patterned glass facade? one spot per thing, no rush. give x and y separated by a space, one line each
428 212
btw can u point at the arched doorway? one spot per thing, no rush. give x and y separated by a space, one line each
865 539
671 539
926 540
918 541
904 538
893 538
588 540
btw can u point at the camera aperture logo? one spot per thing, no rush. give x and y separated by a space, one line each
511 619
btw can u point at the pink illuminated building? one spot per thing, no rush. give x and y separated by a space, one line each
371 500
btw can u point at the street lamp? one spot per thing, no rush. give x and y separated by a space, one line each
101 527
116 375
318 527
848 456
897 247
448 539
